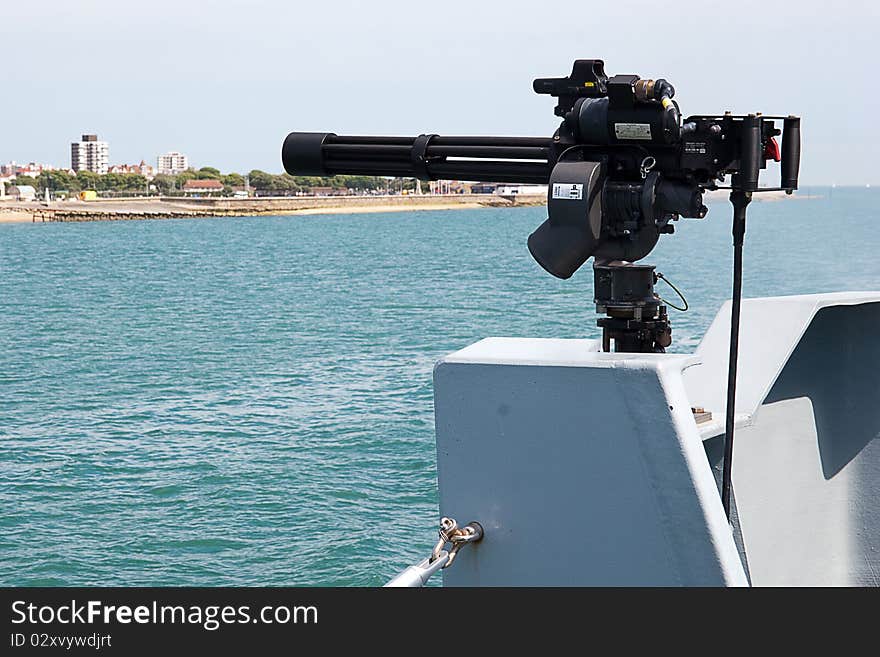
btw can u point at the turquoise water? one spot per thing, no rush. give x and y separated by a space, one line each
248 401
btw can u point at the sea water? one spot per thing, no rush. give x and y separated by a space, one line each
248 401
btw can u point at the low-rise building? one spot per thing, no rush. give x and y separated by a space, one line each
447 187
148 171
23 193
142 169
328 191
202 187
31 169
521 190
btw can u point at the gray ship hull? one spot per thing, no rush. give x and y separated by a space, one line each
590 468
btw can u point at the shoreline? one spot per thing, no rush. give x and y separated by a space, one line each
129 209
176 208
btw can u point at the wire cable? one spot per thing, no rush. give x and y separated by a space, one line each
677 291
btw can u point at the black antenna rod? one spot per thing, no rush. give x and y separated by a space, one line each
740 200
742 185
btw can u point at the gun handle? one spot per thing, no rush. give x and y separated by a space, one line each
791 153
751 153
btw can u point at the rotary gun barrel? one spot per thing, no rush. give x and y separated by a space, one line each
427 157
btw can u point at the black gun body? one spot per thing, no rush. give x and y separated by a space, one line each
715 146
428 157
621 166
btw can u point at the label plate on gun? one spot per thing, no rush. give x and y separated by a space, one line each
574 191
632 131
696 147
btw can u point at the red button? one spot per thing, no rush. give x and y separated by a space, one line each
771 150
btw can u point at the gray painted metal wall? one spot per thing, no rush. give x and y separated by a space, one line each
807 470
583 468
588 469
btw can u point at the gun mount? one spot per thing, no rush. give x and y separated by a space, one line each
622 166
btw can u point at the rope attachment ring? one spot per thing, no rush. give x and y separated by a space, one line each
455 536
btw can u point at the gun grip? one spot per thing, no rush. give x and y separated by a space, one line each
750 158
791 153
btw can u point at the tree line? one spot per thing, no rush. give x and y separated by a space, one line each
259 181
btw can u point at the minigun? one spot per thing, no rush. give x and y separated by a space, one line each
622 166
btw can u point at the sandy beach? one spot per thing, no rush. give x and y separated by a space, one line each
14 216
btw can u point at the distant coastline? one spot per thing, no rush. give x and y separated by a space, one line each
120 209
176 207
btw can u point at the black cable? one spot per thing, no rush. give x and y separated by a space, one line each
677 291
740 200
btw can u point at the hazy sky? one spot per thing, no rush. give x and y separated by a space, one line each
225 80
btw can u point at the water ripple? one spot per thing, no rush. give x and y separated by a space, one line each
240 402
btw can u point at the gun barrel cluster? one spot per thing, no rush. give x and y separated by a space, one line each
428 157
